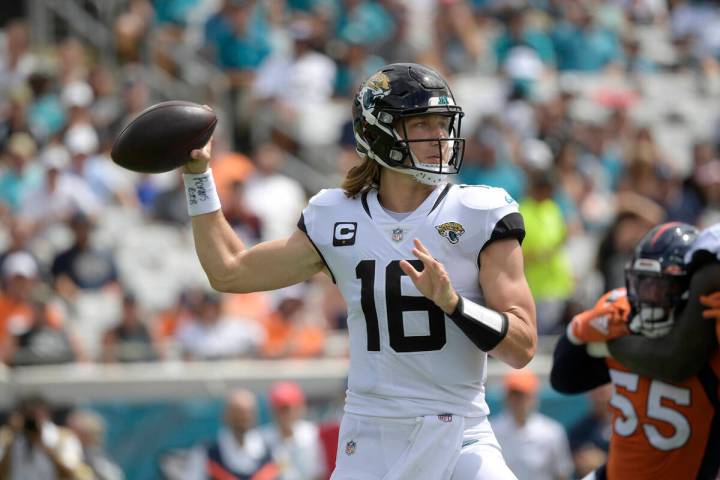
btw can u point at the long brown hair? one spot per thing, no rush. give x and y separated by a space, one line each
361 177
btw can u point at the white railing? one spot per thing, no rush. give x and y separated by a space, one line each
78 383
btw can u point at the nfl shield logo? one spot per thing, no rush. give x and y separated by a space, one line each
350 447
397 234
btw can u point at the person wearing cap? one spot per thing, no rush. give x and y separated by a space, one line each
294 442
238 451
534 446
19 279
23 174
211 334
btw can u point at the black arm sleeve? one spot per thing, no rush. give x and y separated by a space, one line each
681 353
574 371
511 225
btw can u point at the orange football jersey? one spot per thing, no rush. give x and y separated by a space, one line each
664 430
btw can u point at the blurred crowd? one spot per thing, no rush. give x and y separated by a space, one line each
599 117
40 440
596 116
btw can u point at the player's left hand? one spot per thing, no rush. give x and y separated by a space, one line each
433 281
607 320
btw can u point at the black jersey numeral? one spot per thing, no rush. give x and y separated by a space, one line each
397 304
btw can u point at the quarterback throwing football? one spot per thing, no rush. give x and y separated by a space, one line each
432 274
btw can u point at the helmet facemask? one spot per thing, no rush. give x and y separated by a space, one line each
450 150
654 296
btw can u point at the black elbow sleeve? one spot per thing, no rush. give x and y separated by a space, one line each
574 371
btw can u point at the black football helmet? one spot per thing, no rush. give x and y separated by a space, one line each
396 92
657 279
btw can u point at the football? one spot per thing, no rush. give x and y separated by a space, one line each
161 137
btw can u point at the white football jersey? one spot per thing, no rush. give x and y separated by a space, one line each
406 358
708 240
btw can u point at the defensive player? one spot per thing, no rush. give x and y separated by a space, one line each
432 275
663 426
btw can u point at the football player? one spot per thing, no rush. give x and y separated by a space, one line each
665 363
432 274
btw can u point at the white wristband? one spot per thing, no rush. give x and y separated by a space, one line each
200 193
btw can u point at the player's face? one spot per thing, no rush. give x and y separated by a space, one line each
428 127
655 289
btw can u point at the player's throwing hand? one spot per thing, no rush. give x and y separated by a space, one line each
200 159
432 281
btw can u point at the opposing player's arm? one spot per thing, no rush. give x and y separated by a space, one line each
681 353
502 279
574 370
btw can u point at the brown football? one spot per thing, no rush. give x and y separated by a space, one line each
161 137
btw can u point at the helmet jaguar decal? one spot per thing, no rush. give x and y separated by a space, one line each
376 87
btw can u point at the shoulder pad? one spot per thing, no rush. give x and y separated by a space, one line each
708 241
328 197
482 197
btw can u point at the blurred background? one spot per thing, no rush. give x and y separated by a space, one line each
600 118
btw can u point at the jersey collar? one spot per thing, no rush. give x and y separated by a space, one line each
374 210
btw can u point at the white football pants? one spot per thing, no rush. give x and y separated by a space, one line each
435 447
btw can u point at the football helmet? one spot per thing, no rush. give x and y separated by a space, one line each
392 94
657 279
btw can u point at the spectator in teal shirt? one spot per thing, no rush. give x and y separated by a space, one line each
582 45
173 11
517 33
356 65
23 174
487 164
246 44
364 22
